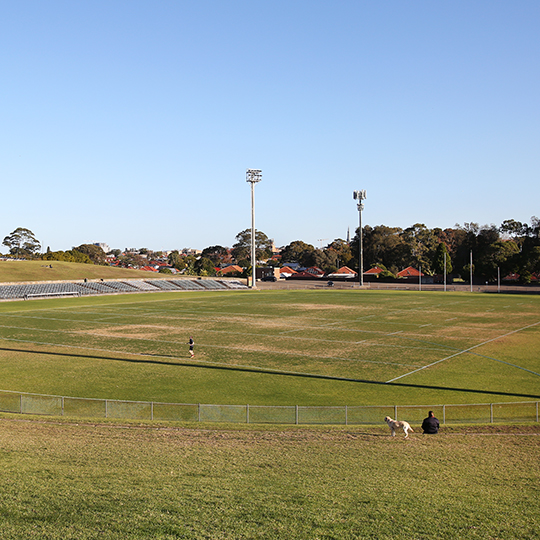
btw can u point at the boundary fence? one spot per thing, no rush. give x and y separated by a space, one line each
481 413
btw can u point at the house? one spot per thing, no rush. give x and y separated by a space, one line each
286 271
375 271
309 273
344 272
232 268
409 272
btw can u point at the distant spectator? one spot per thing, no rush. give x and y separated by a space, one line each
430 424
191 346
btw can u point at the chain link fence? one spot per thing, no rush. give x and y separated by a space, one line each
482 413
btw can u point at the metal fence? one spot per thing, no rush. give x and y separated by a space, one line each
23 403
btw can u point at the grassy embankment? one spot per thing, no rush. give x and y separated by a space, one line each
18 271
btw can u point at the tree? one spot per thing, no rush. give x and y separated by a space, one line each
22 242
205 267
217 254
298 252
242 249
421 245
94 252
176 260
438 264
380 245
67 256
342 251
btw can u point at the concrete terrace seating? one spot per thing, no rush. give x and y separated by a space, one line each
34 290
120 286
97 287
188 284
163 284
234 285
211 284
43 290
143 285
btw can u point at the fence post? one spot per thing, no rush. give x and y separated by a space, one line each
395 411
491 413
62 405
296 415
106 408
247 413
151 410
346 416
198 412
20 404
444 414
537 411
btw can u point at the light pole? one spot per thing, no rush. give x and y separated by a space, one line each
360 196
253 176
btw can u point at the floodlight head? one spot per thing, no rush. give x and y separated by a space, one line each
253 175
359 195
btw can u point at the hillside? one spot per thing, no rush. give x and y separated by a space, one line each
16 271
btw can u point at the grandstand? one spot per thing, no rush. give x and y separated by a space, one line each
26 291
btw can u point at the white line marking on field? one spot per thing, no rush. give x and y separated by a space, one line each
424 325
452 319
470 349
394 333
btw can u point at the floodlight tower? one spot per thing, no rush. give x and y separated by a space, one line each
253 176
360 196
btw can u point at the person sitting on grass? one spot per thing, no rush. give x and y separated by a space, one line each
430 424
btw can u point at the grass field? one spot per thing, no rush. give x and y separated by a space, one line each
308 347
64 482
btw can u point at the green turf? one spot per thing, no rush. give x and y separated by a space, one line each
66 482
436 347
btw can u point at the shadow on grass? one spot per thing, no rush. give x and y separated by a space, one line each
150 360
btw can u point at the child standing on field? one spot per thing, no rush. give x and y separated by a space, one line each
191 345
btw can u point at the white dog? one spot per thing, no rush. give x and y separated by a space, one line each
394 424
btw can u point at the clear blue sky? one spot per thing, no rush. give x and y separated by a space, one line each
133 122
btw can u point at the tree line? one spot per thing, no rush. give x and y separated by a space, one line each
511 248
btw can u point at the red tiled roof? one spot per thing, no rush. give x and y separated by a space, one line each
375 270
409 272
345 270
231 268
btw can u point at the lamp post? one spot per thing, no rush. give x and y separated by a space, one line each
253 176
360 196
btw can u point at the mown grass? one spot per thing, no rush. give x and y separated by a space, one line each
264 347
65 481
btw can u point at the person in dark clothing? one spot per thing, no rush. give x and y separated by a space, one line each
430 424
191 346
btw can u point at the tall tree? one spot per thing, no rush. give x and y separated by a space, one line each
438 264
421 243
22 242
342 252
298 252
380 245
241 251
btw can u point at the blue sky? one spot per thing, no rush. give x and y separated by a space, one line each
133 122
